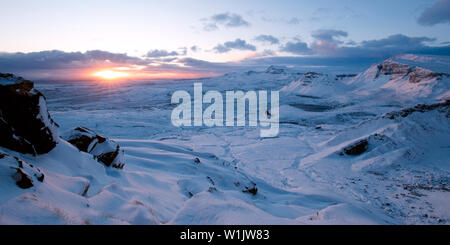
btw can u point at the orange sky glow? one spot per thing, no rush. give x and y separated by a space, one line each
118 74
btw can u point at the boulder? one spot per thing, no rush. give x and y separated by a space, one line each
23 173
25 124
103 149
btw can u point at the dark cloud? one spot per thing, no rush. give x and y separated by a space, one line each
438 13
397 41
238 44
327 44
56 59
163 53
268 39
327 41
297 47
390 46
59 65
224 19
329 35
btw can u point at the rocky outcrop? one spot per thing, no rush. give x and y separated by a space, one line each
414 74
275 70
344 76
419 74
357 149
25 124
443 107
393 68
24 174
103 149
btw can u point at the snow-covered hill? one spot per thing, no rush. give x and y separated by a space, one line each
368 148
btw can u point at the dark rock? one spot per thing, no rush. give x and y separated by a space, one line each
25 124
275 70
445 106
312 74
393 68
252 190
104 150
21 172
357 148
22 179
342 76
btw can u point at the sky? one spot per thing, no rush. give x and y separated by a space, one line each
136 39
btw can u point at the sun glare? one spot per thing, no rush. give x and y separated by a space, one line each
110 75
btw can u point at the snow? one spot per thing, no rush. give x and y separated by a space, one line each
301 176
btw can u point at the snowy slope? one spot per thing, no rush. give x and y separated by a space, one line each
352 149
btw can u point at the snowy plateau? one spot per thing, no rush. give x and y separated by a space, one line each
367 148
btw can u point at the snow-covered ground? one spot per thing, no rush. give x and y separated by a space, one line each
229 175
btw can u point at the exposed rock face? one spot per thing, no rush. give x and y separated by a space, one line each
343 76
444 107
275 70
393 68
25 124
104 150
416 74
21 172
420 74
357 148
311 77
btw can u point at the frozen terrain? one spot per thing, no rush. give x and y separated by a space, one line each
368 148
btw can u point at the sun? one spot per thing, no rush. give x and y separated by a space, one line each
110 75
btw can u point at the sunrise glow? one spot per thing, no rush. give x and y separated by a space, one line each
110 75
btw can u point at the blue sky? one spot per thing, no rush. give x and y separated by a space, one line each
215 34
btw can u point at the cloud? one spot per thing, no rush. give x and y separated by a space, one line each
326 50
61 65
327 41
297 47
195 48
438 13
230 20
267 39
267 52
56 59
327 44
157 53
238 44
293 21
329 35
398 41
389 46
289 21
